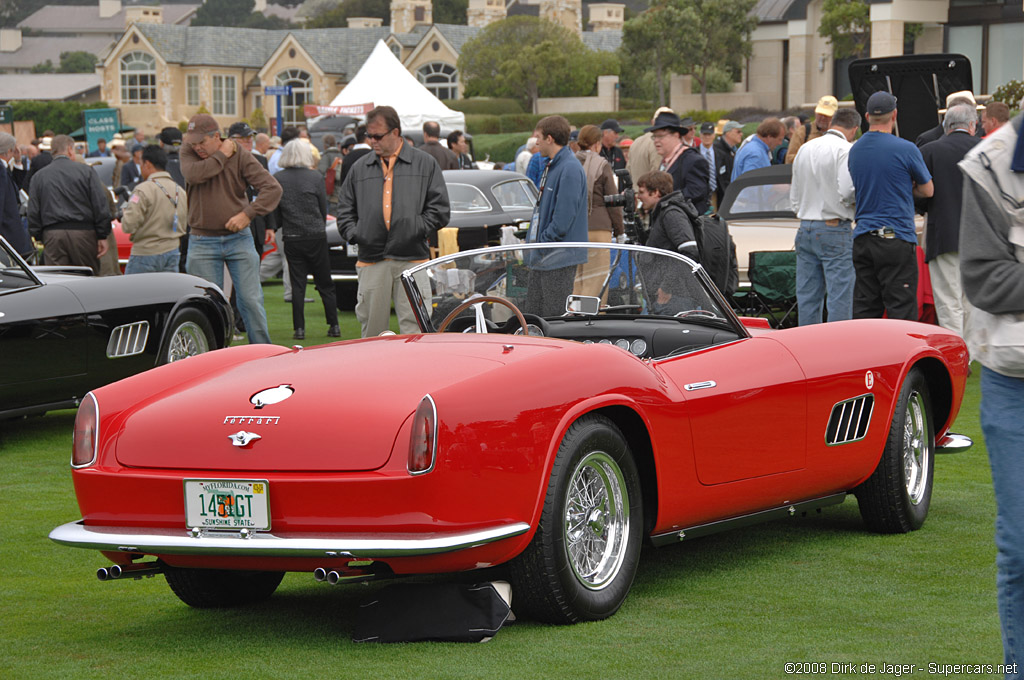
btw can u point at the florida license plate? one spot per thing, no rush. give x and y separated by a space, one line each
227 504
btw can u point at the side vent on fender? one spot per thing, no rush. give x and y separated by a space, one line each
128 340
849 420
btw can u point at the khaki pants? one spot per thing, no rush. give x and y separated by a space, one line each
380 283
591 274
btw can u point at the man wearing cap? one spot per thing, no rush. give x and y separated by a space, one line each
155 217
887 172
610 131
170 141
68 209
643 157
942 234
757 152
688 168
823 112
824 241
955 99
217 172
706 148
725 156
262 226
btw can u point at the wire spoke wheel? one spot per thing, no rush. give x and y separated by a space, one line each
188 340
596 520
915 449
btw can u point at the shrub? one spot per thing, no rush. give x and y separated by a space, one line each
61 117
1011 93
494 106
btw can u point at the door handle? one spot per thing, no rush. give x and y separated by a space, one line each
703 385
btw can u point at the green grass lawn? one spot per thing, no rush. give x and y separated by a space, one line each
735 605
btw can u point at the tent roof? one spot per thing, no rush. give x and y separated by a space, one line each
384 81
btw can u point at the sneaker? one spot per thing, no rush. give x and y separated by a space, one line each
299 334
334 332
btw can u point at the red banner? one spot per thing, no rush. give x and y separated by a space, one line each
312 110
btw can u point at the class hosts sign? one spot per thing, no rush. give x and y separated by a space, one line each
101 124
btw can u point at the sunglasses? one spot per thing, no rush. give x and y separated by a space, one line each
377 138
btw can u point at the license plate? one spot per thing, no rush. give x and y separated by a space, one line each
227 504
352 250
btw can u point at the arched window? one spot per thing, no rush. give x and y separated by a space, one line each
302 94
441 79
138 78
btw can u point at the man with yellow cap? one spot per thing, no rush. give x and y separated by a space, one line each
823 112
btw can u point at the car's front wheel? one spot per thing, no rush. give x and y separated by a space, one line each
895 498
188 334
212 588
582 559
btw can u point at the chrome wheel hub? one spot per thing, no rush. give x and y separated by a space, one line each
596 520
188 340
916 449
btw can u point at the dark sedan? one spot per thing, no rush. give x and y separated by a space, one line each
482 202
64 332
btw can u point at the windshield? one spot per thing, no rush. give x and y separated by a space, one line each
465 198
558 284
761 198
517 194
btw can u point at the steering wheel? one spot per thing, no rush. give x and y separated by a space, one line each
697 312
479 300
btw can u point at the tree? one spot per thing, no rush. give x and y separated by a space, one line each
718 37
846 24
529 58
336 16
76 62
61 117
42 67
450 11
652 42
223 12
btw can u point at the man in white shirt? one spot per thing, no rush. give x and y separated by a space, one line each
824 242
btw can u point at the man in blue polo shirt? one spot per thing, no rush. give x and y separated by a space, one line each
757 152
887 173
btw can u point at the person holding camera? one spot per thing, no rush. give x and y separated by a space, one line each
672 215
155 217
603 221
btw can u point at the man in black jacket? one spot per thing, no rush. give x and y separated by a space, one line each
688 168
725 152
938 132
942 238
610 131
358 150
11 226
432 145
391 202
68 209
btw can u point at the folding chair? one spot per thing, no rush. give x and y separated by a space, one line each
772 291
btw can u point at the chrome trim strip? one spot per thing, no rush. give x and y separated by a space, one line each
179 542
853 416
703 385
953 443
128 340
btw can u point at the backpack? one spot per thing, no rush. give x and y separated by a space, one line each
717 252
333 176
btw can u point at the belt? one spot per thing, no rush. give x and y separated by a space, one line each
835 222
884 232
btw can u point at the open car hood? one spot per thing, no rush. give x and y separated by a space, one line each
332 408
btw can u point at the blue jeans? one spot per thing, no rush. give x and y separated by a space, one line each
824 263
142 264
207 256
1002 423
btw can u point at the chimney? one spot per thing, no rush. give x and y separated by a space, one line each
606 16
109 8
365 22
10 39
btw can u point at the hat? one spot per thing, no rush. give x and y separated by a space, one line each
170 136
118 140
707 128
827 106
275 142
731 125
347 141
962 94
627 142
611 124
660 110
668 121
240 129
44 143
199 126
574 135
880 103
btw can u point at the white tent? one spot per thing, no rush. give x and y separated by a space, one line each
384 81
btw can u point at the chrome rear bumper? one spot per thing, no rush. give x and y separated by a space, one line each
182 542
953 443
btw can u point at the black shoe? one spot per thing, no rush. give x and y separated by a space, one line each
334 332
299 334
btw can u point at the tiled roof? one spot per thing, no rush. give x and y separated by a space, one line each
86 18
46 86
37 50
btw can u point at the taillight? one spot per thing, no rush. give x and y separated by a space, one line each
423 441
83 448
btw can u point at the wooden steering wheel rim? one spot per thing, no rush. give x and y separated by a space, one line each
476 300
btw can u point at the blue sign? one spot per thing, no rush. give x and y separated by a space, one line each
101 124
278 90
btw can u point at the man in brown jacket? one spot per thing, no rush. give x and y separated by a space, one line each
823 112
217 172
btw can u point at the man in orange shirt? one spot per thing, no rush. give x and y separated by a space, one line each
391 201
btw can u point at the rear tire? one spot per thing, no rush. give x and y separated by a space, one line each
213 588
582 559
895 499
189 333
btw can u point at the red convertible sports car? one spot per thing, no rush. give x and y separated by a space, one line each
656 416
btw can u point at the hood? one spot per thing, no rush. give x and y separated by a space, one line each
331 408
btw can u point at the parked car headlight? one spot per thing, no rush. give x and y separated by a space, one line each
86 437
423 440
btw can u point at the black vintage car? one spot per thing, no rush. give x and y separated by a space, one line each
64 332
482 202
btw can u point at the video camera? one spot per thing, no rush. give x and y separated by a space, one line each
636 230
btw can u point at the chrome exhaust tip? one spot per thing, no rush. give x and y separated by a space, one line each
333 577
115 571
319 574
103 574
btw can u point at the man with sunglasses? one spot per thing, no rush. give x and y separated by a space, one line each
218 172
391 201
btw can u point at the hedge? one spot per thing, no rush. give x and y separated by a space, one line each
494 106
489 124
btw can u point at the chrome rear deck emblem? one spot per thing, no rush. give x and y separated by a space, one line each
243 438
271 395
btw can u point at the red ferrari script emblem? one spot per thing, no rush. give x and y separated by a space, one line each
869 379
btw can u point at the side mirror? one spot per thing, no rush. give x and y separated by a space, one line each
582 304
